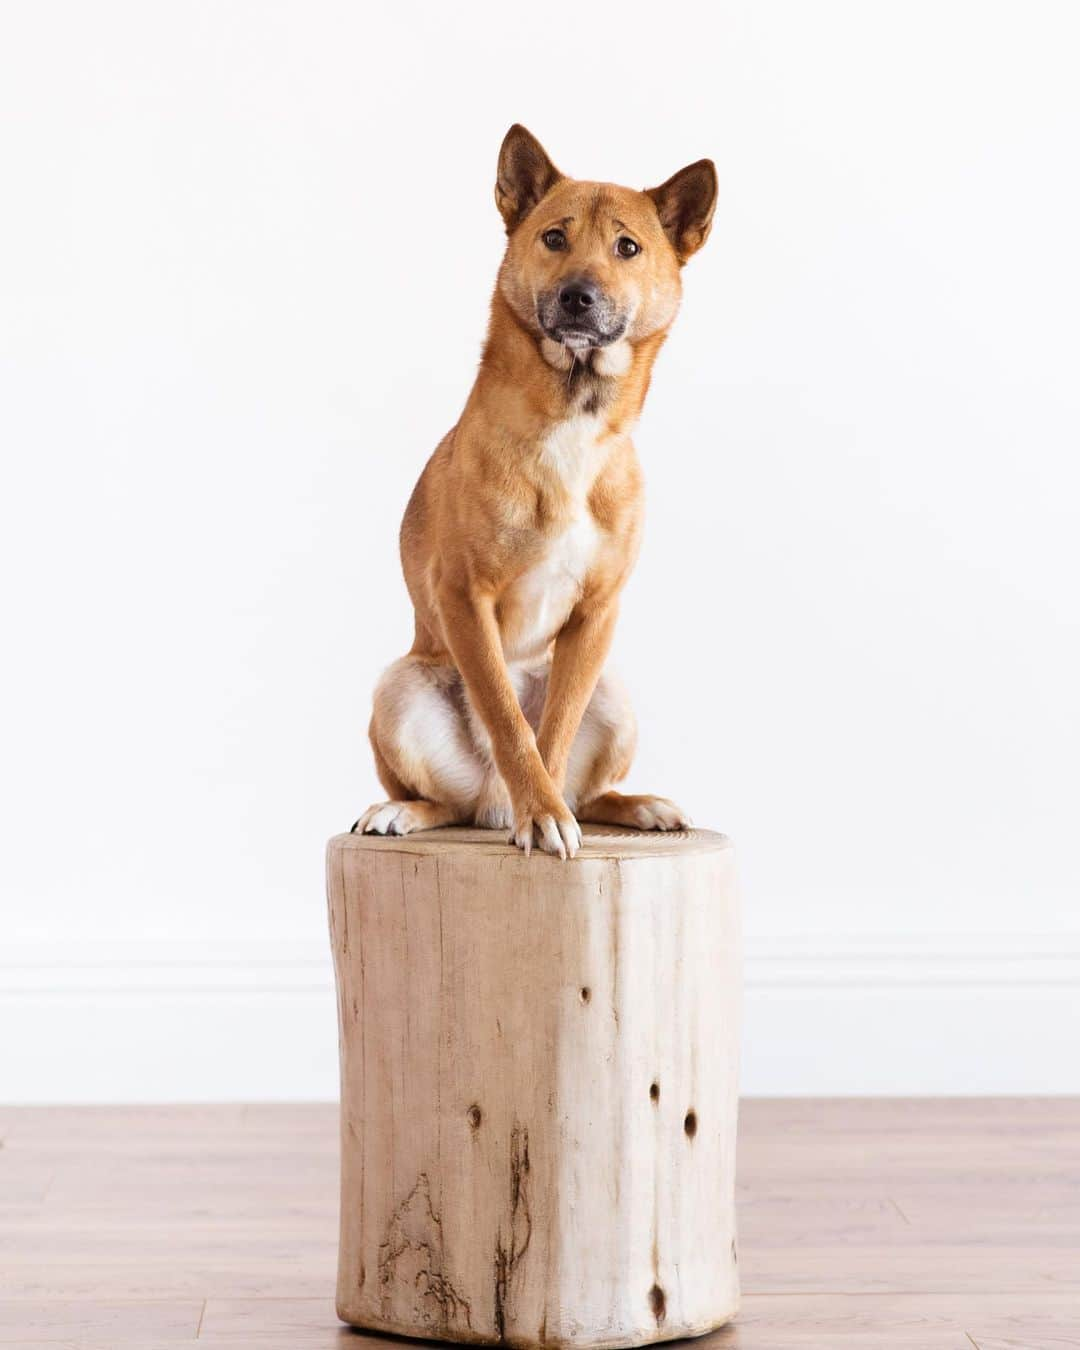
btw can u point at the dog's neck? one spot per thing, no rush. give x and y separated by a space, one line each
546 382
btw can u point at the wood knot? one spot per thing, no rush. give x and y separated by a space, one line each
690 1123
658 1303
585 994
654 1091
475 1116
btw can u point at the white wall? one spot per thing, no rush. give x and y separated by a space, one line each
245 256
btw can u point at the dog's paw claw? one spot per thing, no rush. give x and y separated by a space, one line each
558 835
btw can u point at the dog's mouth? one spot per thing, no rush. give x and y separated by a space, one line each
580 339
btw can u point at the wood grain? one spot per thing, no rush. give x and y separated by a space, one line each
900 1322
99 1320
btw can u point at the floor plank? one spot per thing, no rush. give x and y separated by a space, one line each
30 1322
918 1321
913 1268
306 1320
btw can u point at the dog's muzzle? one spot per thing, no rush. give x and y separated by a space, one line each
578 314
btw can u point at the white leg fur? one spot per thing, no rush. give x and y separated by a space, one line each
423 735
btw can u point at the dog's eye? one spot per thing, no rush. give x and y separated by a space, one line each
625 247
554 240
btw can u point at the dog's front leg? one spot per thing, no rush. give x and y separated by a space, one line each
472 634
580 652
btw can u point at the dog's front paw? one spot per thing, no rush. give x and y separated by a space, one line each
657 813
546 820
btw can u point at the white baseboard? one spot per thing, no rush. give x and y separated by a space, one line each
156 1022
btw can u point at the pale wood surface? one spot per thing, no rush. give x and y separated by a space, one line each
597 841
539 1086
889 1225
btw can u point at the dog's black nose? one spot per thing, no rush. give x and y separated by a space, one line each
578 297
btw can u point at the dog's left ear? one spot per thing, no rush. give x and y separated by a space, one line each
525 175
685 205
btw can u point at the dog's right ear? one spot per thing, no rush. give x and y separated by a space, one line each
525 176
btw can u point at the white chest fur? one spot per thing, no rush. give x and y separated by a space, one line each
573 450
544 597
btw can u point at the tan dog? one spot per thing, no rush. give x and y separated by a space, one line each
525 523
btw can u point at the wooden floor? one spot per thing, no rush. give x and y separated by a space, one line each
916 1224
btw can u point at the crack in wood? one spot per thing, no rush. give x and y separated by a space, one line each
411 1253
508 1258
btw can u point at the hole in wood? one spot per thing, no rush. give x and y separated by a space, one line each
475 1116
654 1091
586 993
690 1123
657 1302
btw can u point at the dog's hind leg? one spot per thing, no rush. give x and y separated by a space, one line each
635 812
601 756
424 754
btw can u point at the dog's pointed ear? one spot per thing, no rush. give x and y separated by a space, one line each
685 205
525 175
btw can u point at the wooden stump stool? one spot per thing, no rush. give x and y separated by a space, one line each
538 1086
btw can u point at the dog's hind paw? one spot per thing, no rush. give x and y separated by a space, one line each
640 812
658 813
397 818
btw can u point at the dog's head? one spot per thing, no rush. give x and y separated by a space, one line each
588 264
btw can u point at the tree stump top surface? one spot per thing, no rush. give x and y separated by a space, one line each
598 841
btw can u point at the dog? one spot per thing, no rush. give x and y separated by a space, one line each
526 521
